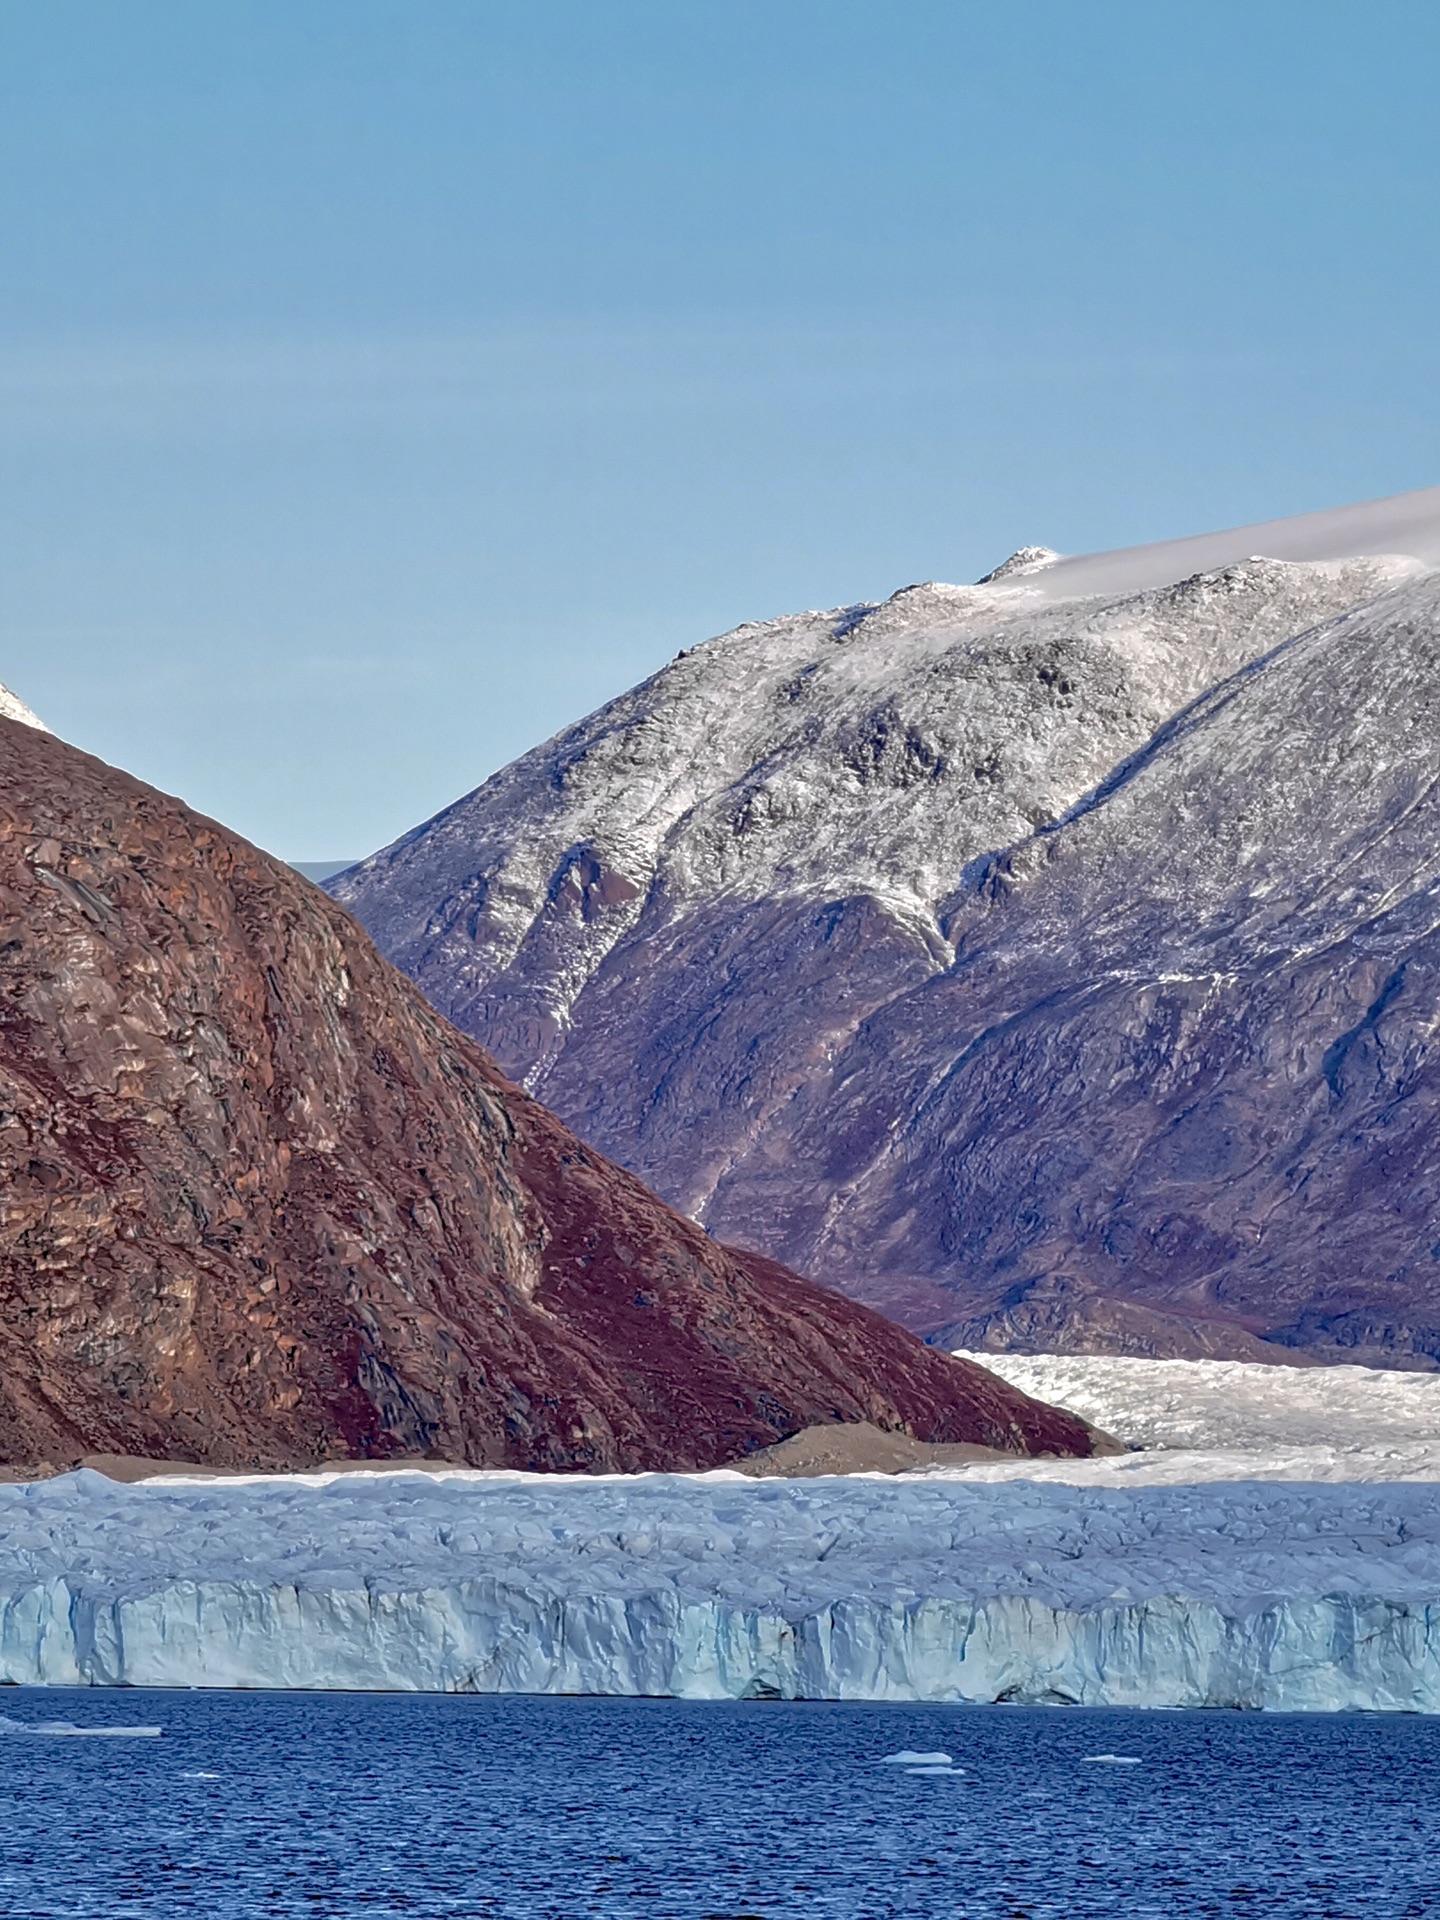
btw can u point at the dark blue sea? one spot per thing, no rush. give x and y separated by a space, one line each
417 1805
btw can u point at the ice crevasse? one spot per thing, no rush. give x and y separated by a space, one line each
1249 1594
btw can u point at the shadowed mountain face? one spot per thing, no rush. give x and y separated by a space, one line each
1180 1087
1135 1082
260 1205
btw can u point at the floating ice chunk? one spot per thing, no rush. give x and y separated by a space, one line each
67 1730
929 1773
201 1775
1113 1759
905 1758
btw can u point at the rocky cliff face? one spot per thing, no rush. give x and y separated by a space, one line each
260 1205
818 930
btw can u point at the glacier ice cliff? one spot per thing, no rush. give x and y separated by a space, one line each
1281 1596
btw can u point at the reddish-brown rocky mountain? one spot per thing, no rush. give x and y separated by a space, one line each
259 1204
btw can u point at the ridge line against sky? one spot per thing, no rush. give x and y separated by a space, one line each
384 385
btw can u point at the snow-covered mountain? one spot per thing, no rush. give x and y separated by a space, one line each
1028 958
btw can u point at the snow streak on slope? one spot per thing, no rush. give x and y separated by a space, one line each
1288 1597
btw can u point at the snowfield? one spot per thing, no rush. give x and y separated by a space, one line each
714 1586
1402 523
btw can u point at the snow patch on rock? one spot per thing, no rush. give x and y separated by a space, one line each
12 708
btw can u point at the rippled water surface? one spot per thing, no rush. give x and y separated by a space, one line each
421 1805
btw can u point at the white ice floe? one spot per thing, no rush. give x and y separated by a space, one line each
1113 1759
908 1759
715 1587
67 1730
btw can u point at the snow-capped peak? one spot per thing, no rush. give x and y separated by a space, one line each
1023 560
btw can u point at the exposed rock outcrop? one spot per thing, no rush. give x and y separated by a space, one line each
260 1205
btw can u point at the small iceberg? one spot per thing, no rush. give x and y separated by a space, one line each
1112 1759
905 1758
67 1730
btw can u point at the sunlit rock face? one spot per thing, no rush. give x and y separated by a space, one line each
1048 962
259 1204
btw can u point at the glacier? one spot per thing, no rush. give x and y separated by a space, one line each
1234 1404
1202 1420
713 1586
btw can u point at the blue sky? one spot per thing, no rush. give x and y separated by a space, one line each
385 382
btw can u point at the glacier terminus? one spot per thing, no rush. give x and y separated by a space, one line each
1242 1594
